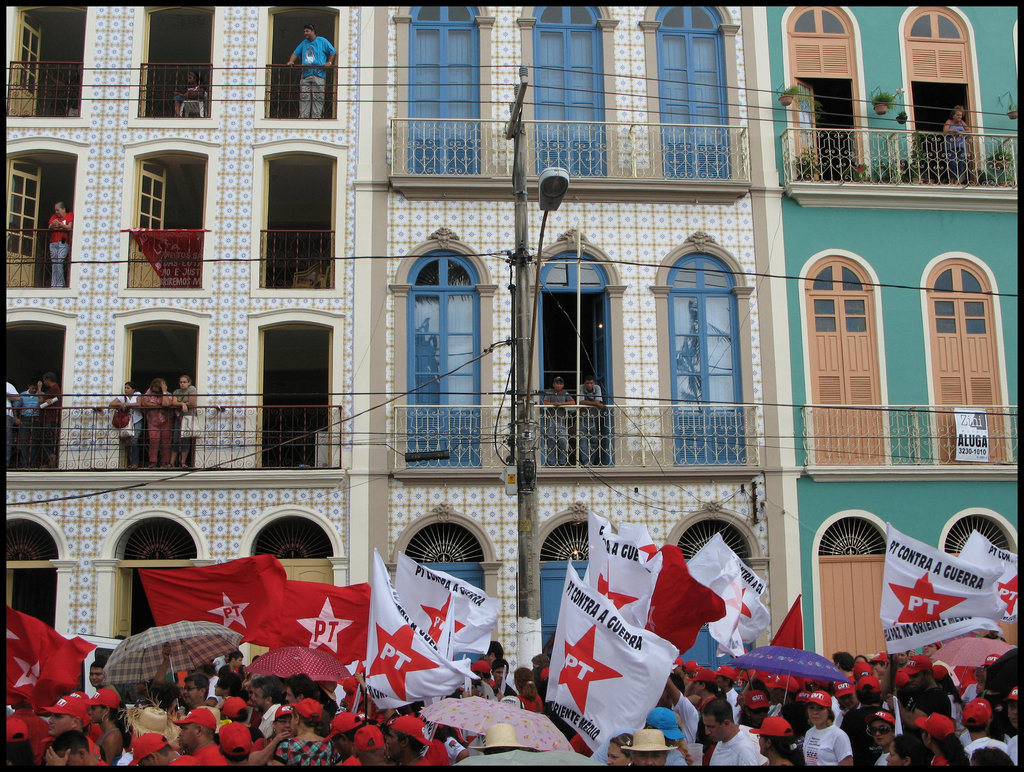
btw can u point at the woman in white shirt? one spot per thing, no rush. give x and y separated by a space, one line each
825 744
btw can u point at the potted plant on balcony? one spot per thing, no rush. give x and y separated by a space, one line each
786 96
901 119
1011 111
881 100
806 165
1000 168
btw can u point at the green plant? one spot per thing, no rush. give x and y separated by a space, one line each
882 101
806 164
787 95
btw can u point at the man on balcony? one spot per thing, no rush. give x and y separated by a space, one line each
312 51
556 424
49 420
60 226
591 415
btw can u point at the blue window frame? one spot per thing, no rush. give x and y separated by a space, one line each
705 362
444 91
444 337
691 78
567 50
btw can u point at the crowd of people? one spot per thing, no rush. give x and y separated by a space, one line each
900 710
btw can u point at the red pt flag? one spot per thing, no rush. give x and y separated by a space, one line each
681 605
791 632
42 664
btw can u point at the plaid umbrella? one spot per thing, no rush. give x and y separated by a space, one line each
192 643
475 714
292 660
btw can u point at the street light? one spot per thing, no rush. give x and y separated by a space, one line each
551 187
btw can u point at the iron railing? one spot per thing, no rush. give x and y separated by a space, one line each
229 437
283 97
165 90
169 258
28 259
651 151
901 435
301 259
662 436
884 157
44 89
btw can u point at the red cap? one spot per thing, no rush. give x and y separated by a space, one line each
369 738
902 679
309 709
725 671
146 745
1012 695
937 645
939 671
990 659
880 657
409 725
774 726
937 725
820 698
803 696
756 700
481 666
870 684
201 716
350 685
977 712
346 722
680 662
16 729
844 687
106 698
861 669
232 707
919 663
70 705
235 739
691 666
705 674
881 715
284 710
789 683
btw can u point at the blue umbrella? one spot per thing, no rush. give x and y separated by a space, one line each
794 662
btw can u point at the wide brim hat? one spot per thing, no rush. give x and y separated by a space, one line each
502 735
151 719
650 740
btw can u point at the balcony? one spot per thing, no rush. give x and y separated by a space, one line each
282 99
167 92
230 437
901 435
165 258
28 260
900 169
44 90
573 437
674 162
297 259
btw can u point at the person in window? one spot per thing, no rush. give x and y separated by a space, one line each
49 419
184 401
591 421
556 424
191 91
130 401
61 223
955 132
312 51
29 436
155 402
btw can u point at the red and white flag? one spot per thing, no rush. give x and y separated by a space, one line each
716 566
981 551
681 605
623 567
320 616
42 664
426 594
605 673
403 663
929 595
240 594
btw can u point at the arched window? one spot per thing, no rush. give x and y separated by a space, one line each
444 336
570 90
444 83
301 545
962 529
691 83
938 67
31 577
699 534
852 536
843 364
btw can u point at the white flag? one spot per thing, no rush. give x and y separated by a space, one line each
605 673
716 566
929 595
980 551
425 593
623 567
402 661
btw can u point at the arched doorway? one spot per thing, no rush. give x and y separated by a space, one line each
301 545
851 562
957 537
450 548
567 542
31 578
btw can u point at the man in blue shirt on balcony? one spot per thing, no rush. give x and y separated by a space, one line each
556 424
312 51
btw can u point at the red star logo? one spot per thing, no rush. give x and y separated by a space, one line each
618 598
437 617
650 551
396 658
921 603
1008 593
736 600
581 668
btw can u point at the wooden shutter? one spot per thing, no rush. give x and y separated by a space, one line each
24 243
934 58
850 596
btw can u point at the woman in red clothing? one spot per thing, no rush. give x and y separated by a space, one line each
154 404
528 690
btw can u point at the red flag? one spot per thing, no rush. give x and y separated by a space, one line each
681 605
317 615
791 632
241 594
42 664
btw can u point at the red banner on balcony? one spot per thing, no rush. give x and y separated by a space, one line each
175 254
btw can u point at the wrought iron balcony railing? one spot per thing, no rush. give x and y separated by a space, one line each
300 259
283 97
174 89
170 258
902 435
884 157
29 263
228 437
662 436
44 89
649 151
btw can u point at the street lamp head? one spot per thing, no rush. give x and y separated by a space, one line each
551 187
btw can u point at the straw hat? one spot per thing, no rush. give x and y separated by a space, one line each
502 735
650 740
151 719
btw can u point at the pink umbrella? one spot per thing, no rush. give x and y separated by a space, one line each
475 714
970 652
293 660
